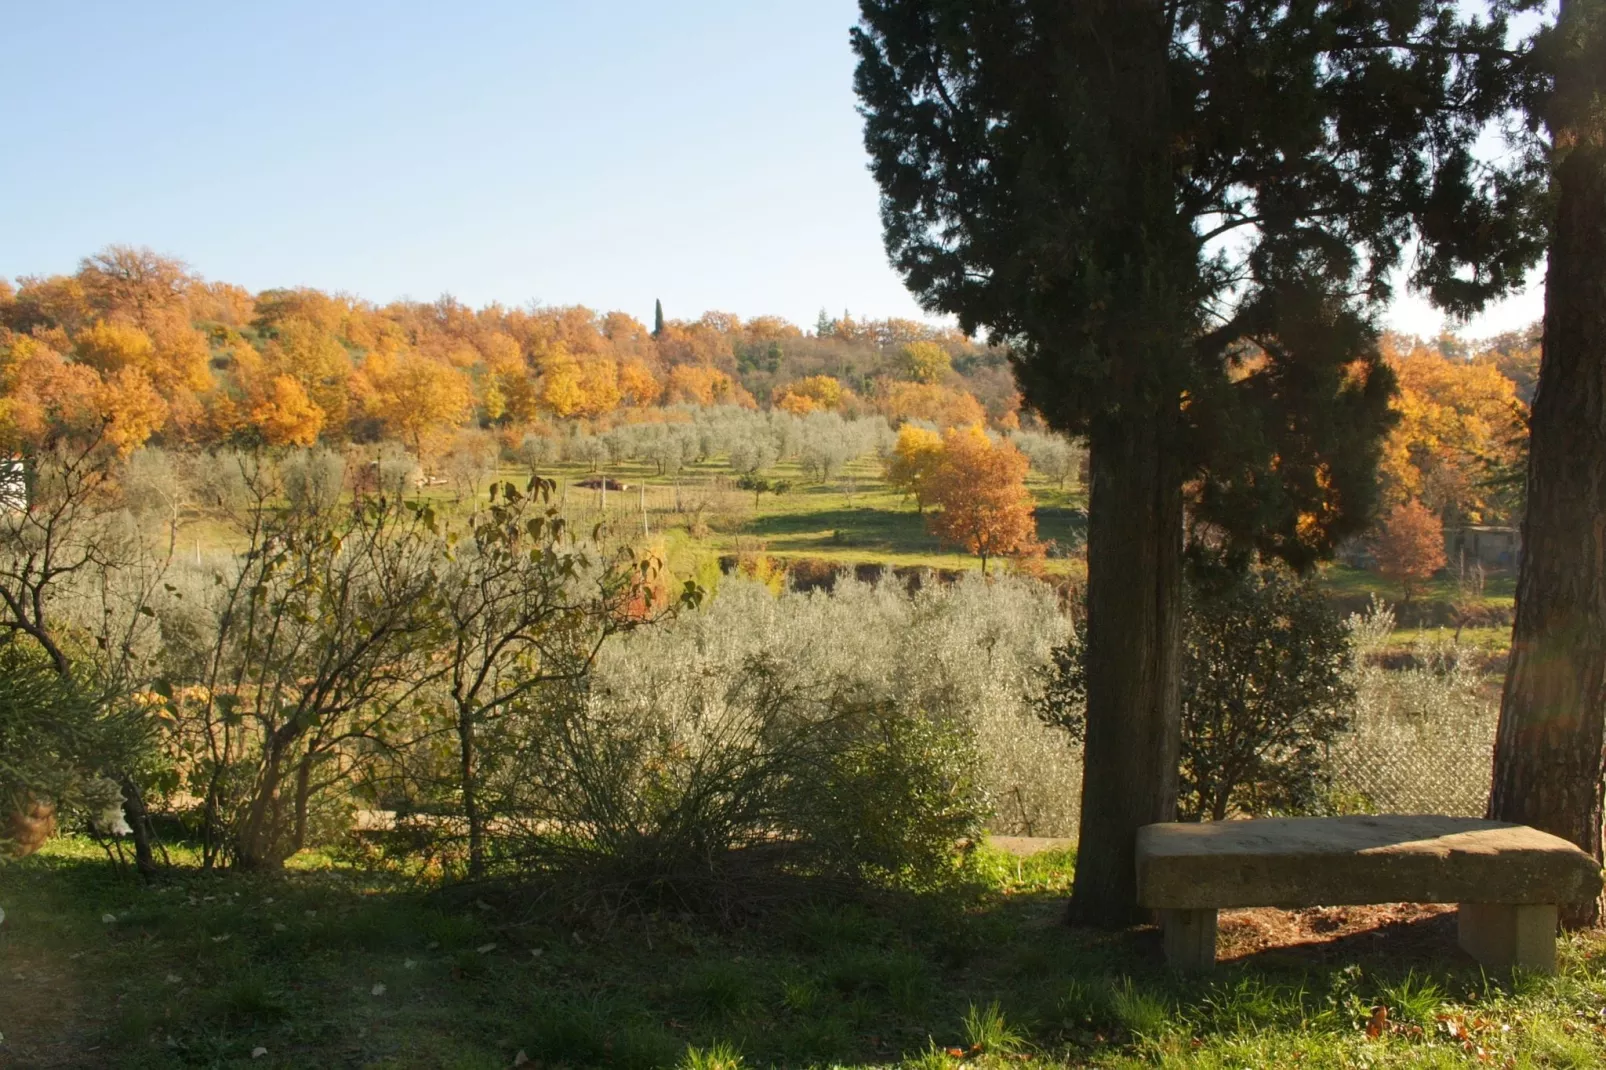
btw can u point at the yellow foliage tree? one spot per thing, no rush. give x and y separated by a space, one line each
131 409
311 354
913 462
1458 421
286 416
812 393
418 400
923 362
932 403
638 386
701 385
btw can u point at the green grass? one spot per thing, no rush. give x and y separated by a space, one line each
853 519
330 967
1499 592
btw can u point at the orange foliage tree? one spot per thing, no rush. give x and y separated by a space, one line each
933 403
1409 546
810 394
979 488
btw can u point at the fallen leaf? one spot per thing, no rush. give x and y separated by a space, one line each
173 978
108 918
378 989
1378 1022
408 964
486 949
258 1052
520 1059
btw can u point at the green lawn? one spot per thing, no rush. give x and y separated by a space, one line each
852 519
1499 591
331 967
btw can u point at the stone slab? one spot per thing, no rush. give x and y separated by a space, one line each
1336 861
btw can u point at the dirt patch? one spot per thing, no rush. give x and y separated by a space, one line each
1324 935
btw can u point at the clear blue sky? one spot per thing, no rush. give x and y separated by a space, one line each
603 153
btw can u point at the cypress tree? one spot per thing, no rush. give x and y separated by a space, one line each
657 318
1181 217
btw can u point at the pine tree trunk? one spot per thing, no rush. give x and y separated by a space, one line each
1549 765
1134 661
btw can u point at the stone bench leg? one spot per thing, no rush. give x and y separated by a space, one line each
1504 935
1190 938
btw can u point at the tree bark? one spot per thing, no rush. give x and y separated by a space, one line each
1548 763
467 756
1134 660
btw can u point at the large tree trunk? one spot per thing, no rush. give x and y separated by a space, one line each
1549 766
1134 660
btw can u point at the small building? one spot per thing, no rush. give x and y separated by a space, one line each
13 485
1491 547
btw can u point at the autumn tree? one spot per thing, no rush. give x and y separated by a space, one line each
1203 200
923 362
1409 546
1549 767
286 416
417 400
811 394
979 489
933 403
1460 425
913 462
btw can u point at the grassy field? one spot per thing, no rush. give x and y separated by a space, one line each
331 967
853 519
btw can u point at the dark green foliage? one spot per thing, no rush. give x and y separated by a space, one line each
54 738
1265 691
1024 192
657 318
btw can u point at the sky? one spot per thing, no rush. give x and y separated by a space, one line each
607 153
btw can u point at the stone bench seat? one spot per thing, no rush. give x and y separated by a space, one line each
1508 880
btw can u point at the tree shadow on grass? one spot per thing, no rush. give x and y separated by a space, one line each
291 963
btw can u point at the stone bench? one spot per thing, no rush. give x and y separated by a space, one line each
1507 879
